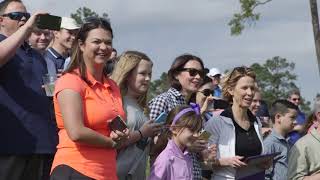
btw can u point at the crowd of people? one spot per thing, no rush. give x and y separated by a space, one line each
99 123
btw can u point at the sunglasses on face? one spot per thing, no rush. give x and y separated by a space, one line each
206 92
193 72
17 16
296 99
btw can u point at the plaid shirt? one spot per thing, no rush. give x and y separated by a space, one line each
165 102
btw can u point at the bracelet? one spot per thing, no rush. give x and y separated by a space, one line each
141 136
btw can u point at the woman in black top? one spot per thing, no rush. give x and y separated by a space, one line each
236 131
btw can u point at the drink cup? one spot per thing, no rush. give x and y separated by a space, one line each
48 83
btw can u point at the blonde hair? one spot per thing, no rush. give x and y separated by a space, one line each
126 63
230 80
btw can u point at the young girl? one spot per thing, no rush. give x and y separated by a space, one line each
132 74
175 162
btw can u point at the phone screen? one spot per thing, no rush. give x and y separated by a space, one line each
161 118
117 124
46 21
220 104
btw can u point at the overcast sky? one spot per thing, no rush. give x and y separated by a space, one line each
164 29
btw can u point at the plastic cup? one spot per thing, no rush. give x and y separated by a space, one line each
48 83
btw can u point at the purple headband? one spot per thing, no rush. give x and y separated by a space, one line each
193 107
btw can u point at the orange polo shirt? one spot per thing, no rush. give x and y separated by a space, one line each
101 103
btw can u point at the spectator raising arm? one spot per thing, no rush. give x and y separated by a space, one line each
14 40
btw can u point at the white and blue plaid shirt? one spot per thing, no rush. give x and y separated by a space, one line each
165 102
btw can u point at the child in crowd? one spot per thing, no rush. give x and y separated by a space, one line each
283 115
175 162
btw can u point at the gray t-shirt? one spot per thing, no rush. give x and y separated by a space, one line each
132 160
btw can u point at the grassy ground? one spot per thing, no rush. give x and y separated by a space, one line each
148 167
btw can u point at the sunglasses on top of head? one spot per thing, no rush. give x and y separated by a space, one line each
193 72
17 16
94 19
240 69
206 92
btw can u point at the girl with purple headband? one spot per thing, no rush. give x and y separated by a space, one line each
184 123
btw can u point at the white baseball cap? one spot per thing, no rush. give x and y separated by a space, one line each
69 23
214 72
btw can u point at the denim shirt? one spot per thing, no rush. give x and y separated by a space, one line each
172 164
272 144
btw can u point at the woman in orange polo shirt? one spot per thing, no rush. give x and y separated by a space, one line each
86 101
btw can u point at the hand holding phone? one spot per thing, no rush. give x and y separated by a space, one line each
119 137
220 104
47 21
117 124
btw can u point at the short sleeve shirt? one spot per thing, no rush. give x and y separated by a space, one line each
27 124
55 57
133 158
101 103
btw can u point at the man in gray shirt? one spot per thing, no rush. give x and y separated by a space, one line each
283 114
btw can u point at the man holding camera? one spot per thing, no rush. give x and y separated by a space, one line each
28 134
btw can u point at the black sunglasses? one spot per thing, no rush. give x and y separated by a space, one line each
17 16
206 92
240 69
193 72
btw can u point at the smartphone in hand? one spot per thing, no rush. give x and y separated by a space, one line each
220 104
162 118
117 124
47 21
